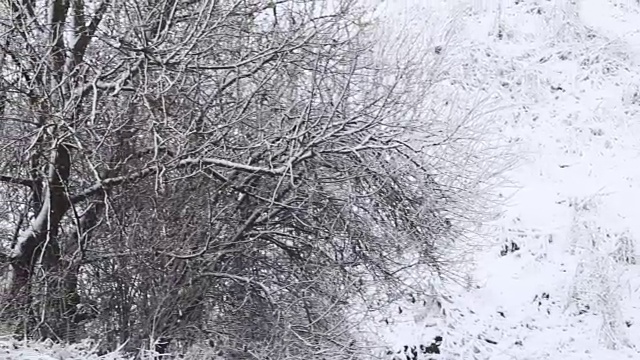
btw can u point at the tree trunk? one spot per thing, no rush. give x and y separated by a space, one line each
40 242
71 316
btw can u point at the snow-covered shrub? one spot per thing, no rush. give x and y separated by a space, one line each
584 233
596 286
625 250
596 292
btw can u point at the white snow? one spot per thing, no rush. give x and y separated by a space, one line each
566 78
18 350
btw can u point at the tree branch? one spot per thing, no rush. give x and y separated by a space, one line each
242 279
18 181
58 12
86 32
111 182
192 255
115 86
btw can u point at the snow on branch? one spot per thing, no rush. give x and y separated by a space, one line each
111 182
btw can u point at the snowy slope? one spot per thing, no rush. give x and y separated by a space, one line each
566 78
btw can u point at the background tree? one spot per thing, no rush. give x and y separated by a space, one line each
235 171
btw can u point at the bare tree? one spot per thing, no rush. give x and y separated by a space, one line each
230 170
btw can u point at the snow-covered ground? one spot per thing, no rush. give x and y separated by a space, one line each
11 349
563 77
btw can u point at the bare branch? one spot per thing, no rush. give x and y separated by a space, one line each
18 181
243 279
111 182
109 256
192 255
114 86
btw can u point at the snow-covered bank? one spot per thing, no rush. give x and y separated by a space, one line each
566 78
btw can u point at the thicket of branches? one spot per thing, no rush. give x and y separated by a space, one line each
234 172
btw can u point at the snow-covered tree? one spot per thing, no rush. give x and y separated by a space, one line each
230 170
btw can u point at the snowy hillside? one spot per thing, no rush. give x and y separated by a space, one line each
562 280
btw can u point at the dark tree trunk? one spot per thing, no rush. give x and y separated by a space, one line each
72 316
